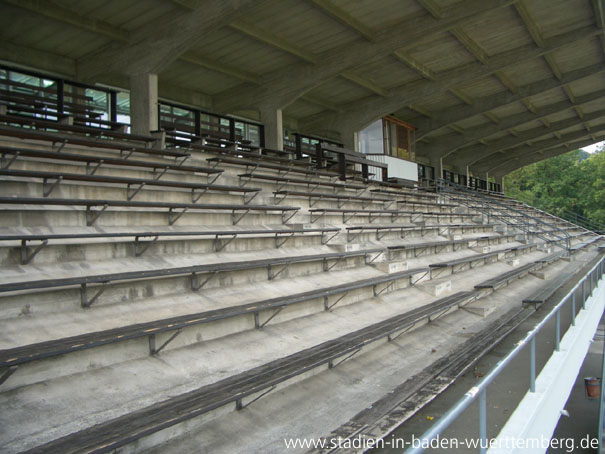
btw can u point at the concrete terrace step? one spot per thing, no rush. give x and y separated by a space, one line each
120 431
155 268
438 308
33 352
174 210
52 245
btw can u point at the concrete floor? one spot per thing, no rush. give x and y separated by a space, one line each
583 420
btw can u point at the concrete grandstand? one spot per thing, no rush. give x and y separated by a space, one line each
231 223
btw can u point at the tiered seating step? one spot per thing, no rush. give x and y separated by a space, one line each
238 211
108 436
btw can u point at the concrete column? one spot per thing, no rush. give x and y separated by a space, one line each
349 140
274 128
437 163
144 103
500 180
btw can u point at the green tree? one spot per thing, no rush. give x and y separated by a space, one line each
571 182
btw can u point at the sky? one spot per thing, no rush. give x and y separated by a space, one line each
594 147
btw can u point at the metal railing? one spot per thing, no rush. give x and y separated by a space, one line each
492 208
479 391
582 221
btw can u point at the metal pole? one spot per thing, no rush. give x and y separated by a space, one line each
482 422
601 406
591 283
558 330
584 293
573 309
532 365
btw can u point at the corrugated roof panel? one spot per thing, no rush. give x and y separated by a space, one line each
388 72
581 54
13 21
84 8
528 72
440 102
578 127
555 17
565 115
598 124
74 43
339 91
127 14
509 109
442 54
482 88
199 78
500 31
239 50
530 125
381 14
302 108
589 84
593 106
548 98
302 25
473 122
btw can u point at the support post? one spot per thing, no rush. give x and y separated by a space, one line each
532 365
274 129
349 140
558 331
482 422
144 103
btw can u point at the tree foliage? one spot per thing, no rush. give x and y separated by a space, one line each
572 183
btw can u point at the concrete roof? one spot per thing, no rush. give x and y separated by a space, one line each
478 78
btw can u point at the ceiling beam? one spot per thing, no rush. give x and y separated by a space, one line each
363 82
273 40
446 146
341 16
433 8
281 44
486 165
160 42
542 154
51 10
280 88
446 117
220 67
462 96
46 61
187 4
320 102
597 6
359 114
536 34
405 58
470 155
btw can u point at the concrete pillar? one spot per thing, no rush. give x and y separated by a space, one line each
144 103
500 180
274 128
349 140
437 163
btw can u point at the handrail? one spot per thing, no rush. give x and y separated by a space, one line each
582 221
479 390
444 187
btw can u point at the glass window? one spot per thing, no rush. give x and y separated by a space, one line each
371 139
